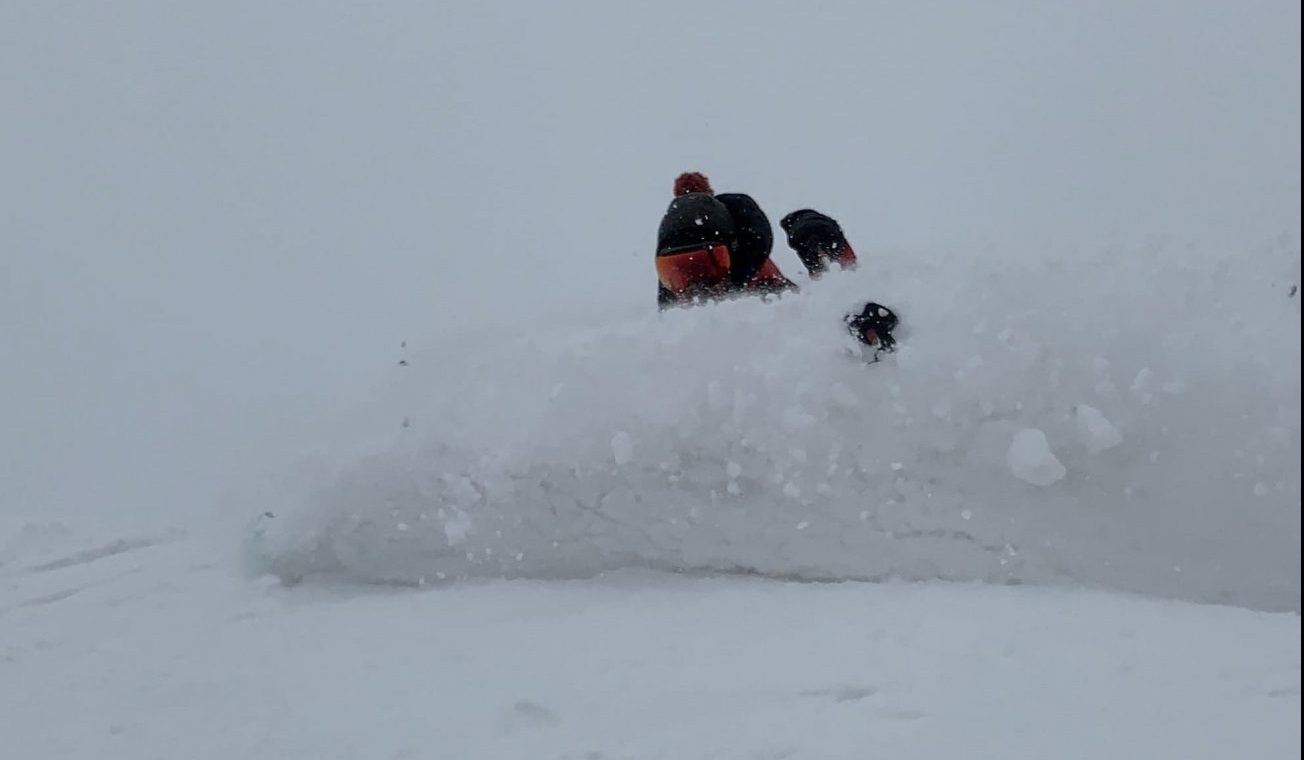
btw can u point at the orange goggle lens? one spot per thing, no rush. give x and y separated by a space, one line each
698 268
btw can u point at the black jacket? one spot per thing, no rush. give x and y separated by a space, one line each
753 237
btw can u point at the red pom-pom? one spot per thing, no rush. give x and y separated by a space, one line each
692 182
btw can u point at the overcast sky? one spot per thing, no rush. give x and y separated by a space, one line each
217 219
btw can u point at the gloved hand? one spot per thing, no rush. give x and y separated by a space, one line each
818 241
873 326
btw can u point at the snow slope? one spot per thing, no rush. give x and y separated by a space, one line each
155 650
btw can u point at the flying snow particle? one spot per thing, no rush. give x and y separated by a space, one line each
457 529
1031 460
1174 387
1142 380
1095 431
622 448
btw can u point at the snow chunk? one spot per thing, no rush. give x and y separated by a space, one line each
1141 384
1095 431
457 529
1031 459
622 448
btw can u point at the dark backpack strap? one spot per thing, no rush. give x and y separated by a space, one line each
753 236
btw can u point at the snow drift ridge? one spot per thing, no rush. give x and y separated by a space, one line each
1128 419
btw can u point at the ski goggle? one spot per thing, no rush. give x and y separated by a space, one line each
683 271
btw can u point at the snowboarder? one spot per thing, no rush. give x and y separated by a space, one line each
818 241
710 246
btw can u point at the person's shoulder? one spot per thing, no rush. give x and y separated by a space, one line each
738 201
739 197
799 216
744 209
